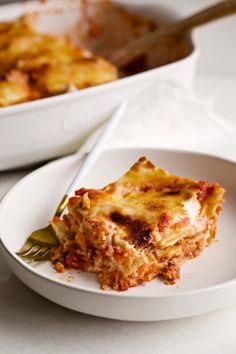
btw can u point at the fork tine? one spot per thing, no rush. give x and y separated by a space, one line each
45 256
44 252
25 251
38 253
34 250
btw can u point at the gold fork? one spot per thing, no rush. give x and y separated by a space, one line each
41 244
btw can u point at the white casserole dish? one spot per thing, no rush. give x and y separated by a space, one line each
43 129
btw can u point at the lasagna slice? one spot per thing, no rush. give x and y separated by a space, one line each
143 226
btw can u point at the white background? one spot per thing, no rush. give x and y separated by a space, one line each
30 324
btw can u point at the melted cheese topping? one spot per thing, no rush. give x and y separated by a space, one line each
192 207
151 198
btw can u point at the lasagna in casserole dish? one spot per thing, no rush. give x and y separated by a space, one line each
35 65
144 225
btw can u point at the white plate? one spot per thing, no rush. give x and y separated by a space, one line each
207 282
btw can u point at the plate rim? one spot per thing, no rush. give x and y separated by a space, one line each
99 291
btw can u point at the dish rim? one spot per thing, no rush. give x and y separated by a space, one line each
99 291
76 95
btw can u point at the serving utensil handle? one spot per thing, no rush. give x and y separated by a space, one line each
214 12
125 55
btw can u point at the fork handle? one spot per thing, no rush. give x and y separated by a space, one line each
91 157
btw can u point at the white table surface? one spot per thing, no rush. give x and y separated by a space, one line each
30 324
